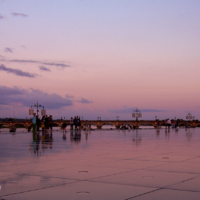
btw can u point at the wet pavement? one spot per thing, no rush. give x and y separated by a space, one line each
101 164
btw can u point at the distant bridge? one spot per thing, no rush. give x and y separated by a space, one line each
99 123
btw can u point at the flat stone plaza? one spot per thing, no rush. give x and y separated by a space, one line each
143 164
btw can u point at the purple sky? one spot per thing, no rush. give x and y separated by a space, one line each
100 58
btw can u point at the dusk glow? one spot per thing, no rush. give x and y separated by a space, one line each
100 58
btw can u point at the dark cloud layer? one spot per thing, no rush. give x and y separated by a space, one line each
62 65
8 50
84 101
30 97
126 110
17 72
43 68
6 91
19 15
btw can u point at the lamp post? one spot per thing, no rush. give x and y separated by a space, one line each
189 116
117 118
43 111
136 114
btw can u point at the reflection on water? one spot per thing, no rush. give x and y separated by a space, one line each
75 136
137 137
47 143
189 133
41 142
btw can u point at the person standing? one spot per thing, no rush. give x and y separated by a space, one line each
168 123
38 122
79 123
34 122
46 123
75 123
71 124
50 122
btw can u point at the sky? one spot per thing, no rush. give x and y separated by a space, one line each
100 58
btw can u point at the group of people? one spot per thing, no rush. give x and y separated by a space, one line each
74 122
45 123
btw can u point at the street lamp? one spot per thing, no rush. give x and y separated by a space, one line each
189 116
31 111
136 114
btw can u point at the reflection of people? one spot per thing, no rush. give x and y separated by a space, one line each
34 122
86 135
47 141
176 124
50 122
75 137
64 136
36 143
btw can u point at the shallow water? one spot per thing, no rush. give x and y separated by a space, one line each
101 164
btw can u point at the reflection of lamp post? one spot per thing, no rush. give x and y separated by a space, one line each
31 111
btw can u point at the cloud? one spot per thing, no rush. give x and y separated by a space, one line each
6 91
69 96
8 50
31 96
43 68
62 65
1 17
19 15
17 72
84 101
2 57
126 110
